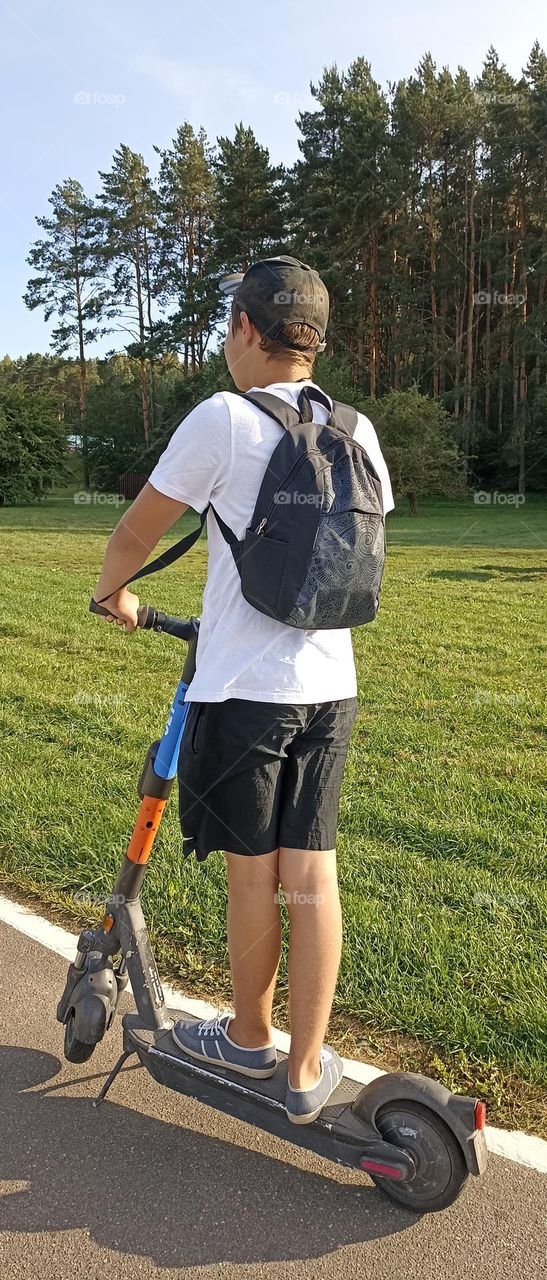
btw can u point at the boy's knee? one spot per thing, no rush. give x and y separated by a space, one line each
307 874
247 873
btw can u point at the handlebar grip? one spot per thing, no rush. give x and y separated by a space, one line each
97 608
146 617
155 620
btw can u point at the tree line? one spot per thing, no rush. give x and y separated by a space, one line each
415 430
423 208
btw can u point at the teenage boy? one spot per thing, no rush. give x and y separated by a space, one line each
271 707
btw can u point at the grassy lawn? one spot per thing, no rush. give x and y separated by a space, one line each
442 824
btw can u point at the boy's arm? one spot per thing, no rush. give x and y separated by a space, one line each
135 536
194 461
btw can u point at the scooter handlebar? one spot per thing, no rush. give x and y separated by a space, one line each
154 620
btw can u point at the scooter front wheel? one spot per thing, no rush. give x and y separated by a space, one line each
441 1171
75 1050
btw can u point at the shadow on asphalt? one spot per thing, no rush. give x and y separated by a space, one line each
161 1191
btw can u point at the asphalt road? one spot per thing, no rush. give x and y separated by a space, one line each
152 1184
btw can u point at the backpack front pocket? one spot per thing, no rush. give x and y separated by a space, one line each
342 585
262 567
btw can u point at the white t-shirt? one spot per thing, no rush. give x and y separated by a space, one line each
219 454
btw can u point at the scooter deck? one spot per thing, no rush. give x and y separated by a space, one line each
337 1133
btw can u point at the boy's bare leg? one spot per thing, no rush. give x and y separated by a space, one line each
254 944
310 888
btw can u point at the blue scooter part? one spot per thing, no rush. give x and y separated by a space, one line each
166 759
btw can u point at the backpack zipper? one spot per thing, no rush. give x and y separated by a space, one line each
303 458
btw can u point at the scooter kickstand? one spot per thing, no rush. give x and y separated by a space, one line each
109 1079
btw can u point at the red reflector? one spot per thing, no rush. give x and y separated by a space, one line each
480 1115
387 1170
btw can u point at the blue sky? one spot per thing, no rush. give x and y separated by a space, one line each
142 68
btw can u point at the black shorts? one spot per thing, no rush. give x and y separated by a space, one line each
254 776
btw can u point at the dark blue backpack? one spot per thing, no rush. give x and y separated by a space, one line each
313 555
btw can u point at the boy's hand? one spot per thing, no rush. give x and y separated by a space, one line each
122 609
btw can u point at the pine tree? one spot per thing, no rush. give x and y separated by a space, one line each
128 205
317 218
250 203
185 231
70 283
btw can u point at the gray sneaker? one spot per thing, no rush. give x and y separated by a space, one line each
210 1042
304 1105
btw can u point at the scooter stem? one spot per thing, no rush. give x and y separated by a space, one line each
123 926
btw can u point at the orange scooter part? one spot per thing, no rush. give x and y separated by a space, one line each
145 829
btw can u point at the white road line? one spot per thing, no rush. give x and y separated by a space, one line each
523 1148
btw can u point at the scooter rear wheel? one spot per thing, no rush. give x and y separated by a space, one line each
75 1050
441 1171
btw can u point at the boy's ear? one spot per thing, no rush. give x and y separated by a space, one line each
247 326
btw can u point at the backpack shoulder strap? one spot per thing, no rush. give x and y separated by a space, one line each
167 557
345 416
307 394
286 414
276 408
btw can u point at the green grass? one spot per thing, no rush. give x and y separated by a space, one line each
442 823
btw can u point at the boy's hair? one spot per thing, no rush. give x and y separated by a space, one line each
304 334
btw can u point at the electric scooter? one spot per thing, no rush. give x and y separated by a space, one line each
416 1140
